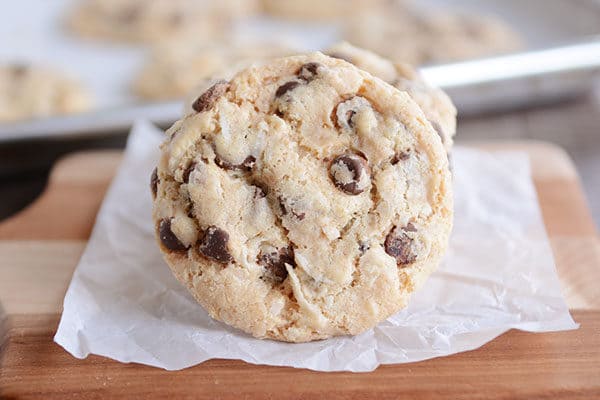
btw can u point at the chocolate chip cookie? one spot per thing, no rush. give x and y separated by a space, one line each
436 104
156 20
28 91
416 37
318 10
302 199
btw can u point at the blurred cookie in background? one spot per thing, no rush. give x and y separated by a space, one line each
156 20
419 37
28 91
457 37
235 8
318 10
434 102
174 68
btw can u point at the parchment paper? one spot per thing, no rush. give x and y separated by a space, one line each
498 274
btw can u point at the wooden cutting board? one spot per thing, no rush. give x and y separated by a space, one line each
40 247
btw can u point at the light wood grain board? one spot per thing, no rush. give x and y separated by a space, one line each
40 247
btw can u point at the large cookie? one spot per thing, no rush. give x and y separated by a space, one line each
28 91
156 20
436 104
302 199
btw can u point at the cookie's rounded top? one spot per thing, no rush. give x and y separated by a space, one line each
436 104
28 91
302 199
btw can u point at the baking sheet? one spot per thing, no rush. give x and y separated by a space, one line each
32 31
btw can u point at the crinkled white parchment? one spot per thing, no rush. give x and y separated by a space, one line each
498 274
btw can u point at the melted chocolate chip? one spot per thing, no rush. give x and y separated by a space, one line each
410 227
346 172
260 191
168 239
186 174
214 245
401 156
343 113
284 210
309 71
208 99
274 264
286 87
349 115
154 182
363 247
190 210
399 245
289 208
246 165
298 215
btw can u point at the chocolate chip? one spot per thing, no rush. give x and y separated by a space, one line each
401 156
208 99
286 87
214 245
274 264
154 183
260 191
189 209
399 245
438 129
308 71
246 165
349 115
168 238
410 227
349 172
343 114
363 247
289 208
186 174
284 210
298 215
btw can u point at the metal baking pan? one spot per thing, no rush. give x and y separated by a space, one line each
562 60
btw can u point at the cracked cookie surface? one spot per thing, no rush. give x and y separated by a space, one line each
435 103
302 199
